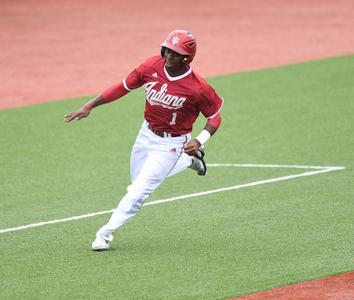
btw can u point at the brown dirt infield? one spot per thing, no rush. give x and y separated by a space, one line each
336 287
61 49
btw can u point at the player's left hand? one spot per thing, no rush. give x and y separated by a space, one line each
192 147
77 115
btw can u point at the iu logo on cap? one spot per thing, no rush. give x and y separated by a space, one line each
175 40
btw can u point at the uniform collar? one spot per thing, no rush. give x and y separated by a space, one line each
171 78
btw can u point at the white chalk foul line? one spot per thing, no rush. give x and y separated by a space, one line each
275 166
319 170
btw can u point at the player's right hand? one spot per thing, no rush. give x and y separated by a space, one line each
192 147
77 115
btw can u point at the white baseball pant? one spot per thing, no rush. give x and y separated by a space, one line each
153 159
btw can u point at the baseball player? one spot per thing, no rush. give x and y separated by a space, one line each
175 95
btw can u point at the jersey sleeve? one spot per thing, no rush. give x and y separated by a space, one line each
138 76
210 102
133 81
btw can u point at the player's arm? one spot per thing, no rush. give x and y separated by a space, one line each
210 106
132 81
111 94
212 125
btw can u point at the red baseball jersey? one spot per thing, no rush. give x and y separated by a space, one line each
173 103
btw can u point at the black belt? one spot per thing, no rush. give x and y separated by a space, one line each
163 133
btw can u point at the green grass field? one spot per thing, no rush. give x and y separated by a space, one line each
208 247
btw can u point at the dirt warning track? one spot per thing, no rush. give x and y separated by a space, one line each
336 287
60 49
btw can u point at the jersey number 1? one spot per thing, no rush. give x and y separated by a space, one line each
174 117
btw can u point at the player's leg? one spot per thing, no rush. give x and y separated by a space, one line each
158 163
156 168
195 162
184 162
137 159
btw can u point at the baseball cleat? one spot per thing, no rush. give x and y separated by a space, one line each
198 163
101 243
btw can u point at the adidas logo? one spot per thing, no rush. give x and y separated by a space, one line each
154 75
173 150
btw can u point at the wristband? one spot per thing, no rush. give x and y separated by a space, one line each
203 137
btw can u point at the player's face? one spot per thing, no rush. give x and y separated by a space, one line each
173 60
